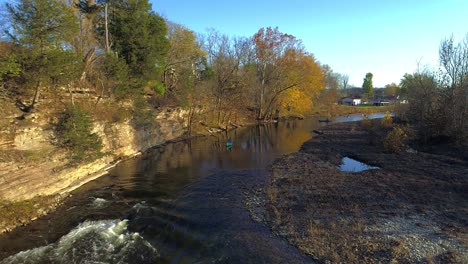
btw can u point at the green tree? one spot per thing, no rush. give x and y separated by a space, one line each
138 35
45 29
113 75
367 86
74 132
9 66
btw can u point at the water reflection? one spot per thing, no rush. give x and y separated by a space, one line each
357 117
351 165
250 148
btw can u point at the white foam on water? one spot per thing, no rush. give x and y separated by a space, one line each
106 241
99 203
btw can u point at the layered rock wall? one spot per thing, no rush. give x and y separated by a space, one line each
51 175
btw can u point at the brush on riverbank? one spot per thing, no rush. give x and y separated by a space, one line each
413 209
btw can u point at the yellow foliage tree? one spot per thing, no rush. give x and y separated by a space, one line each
303 70
283 68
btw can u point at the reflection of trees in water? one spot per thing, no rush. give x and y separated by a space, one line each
281 137
253 147
261 139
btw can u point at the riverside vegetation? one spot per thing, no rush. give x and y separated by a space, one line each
91 68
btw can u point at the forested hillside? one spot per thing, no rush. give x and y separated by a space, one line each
121 51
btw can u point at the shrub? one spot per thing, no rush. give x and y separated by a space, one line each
74 133
111 113
143 115
372 130
387 120
366 123
160 89
394 141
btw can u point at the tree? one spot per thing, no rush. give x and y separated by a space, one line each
226 59
113 75
85 43
8 62
45 29
9 66
424 104
367 86
181 63
344 78
139 37
331 79
309 77
74 131
282 64
329 95
454 87
392 89
438 102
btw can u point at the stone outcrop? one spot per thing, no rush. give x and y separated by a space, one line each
50 176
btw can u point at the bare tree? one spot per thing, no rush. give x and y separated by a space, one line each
227 58
424 104
344 78
454 62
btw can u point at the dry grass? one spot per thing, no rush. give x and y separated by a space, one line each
341 217
322 220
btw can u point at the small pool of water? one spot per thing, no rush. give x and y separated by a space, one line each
351 165
358 117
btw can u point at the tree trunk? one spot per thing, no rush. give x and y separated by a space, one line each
218 106
102 93
36 97
71 94
106 28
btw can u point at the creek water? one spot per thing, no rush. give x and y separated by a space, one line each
177 203
352 165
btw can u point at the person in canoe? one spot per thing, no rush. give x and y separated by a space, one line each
229 144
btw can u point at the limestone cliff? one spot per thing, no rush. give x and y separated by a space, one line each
50 174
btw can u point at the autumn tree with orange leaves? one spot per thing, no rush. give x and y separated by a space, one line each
287 76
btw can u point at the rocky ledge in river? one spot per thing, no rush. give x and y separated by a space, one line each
414 209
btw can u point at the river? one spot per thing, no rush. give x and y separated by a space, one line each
181 202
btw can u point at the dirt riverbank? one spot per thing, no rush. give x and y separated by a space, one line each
414 209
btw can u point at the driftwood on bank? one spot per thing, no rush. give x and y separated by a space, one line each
318 132
217 129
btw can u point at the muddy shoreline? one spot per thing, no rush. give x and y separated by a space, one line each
412 210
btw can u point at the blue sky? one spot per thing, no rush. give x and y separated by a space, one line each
387 38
